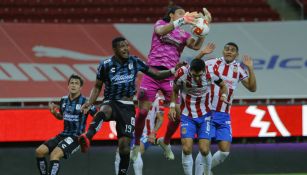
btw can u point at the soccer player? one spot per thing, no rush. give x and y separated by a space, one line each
154 121
194 83
168 42
118 73
65 143
232 72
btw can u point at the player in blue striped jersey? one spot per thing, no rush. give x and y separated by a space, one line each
65 143
118 73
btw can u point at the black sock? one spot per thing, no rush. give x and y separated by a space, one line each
95 125
54 167
42 165
124 163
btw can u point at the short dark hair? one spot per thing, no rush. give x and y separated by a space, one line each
234 45
197 65
116 40
75 76
170 9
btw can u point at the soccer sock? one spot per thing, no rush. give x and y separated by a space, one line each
218 158
199 166
171 129
138 165
206 161
42 165
124 163
139 125
116 163
54 167
187 163
95 125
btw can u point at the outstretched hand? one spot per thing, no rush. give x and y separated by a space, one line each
53 107
190 18
208 49
247 60
180 64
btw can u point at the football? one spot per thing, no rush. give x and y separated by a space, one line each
201 28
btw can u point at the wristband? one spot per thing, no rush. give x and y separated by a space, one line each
173 70
172 104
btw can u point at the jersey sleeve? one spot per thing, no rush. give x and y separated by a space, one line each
61 110
159 23
141 65
242 73
101 72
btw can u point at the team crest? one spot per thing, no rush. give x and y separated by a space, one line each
78 106
235 69
183 130
130 66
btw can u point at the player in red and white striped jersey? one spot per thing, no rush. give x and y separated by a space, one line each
194 83
232 72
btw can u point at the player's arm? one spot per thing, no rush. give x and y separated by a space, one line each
195 44
54 109
172 106
250 82
159 75
93 97
223 90
207 50
188 18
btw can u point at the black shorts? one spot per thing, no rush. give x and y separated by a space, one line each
69 144
124 115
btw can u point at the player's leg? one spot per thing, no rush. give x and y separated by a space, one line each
187 131
223 136
40 153
43 150
117 160
124 114
104 114
172 126
204 144
146 95
65 148
138 163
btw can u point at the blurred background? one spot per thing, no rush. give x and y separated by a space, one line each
42 42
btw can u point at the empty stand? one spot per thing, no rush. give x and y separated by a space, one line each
129 11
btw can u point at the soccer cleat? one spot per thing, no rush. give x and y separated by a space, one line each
84 143
134 153
168 153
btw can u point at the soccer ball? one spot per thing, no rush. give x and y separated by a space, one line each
201 28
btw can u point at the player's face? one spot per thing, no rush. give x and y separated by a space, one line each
230 53
74 86
122 50
179 13
196 75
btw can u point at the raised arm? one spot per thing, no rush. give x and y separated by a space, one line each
207 50
250 82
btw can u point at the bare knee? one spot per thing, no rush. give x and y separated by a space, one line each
56 154
187 149
124 145
204 150
41 151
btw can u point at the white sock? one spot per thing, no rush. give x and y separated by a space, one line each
138 165
218 158
199 166
116 162
207 160
187 163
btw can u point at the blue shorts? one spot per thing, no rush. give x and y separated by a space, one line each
221 126
144 140
192 126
